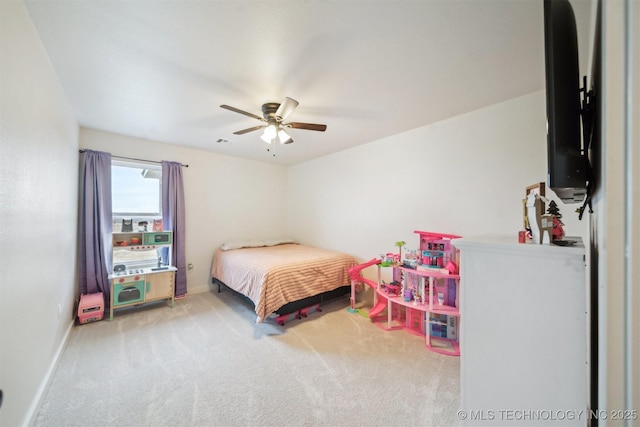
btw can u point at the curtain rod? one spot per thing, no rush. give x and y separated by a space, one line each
139 160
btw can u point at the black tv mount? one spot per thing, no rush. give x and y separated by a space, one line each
587 114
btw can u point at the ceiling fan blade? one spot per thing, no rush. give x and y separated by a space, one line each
243 131
235 110
307 126
286 108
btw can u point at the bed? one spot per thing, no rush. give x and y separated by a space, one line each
277 276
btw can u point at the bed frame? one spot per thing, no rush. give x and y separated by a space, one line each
295 309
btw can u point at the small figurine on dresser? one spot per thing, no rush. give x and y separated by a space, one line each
558 225
541 225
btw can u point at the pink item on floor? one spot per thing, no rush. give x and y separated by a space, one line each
91 308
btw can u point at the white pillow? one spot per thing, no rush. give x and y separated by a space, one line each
255 243
276 242
242 244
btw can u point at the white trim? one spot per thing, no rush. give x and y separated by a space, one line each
34 408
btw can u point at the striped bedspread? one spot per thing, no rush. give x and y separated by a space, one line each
276 275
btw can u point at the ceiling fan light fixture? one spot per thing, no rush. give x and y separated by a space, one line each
272 121
265 138
269 134
284 137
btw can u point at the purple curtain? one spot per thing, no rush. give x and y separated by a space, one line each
95 260
173 219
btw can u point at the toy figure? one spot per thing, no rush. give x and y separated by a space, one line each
541 225
558 230
534 217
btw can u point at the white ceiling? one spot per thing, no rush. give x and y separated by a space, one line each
366 68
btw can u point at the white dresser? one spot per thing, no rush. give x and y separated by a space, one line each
523 333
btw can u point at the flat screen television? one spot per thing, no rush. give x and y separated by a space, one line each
567 164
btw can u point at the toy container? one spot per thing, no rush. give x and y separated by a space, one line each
91 308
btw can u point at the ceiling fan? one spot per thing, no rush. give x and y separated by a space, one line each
273 123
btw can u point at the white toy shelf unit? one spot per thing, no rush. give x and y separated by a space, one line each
423 295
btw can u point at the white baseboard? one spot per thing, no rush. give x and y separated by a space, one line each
37 400
198 289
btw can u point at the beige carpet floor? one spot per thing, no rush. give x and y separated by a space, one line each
206 362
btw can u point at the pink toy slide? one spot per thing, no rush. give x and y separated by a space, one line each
355 273
379 307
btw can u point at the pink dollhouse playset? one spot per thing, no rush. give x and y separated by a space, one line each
422 297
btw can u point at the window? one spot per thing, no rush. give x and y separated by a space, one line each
136 195
135 189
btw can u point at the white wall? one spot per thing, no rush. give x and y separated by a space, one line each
226 198
466 176
617 214
38 216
